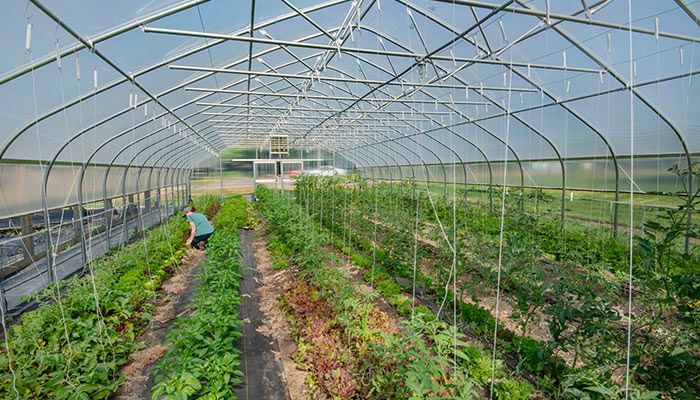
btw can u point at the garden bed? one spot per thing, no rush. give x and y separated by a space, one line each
169 304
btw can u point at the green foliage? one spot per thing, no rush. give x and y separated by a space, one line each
72 348
202 359
569 280
417 363
235 213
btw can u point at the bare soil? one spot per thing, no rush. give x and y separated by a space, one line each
275 323
170 303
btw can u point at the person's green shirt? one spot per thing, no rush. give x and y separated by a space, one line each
202 226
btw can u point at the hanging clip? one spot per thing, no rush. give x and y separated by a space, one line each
337 45
503 30
564 58
656 28
58 55
28 37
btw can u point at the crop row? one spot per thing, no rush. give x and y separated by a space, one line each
202 360
355 350
380 225
73 344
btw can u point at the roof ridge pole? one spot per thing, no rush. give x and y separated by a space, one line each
448 128
421 59
250 64
328 54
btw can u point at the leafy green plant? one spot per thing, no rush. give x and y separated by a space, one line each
72 348
202 360
417 363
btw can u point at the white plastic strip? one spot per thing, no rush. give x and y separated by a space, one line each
28 38
680 53
656 28
503 30
563 54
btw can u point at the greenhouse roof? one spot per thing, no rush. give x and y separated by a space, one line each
400 82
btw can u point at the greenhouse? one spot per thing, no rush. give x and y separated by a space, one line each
350 199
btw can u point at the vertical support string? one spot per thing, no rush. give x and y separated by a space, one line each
502 226
631 234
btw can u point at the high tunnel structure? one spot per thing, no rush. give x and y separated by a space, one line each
544 151
108 106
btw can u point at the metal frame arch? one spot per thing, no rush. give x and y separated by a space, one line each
446 127
419 144
510 148
413 173
637 95
104 144
382 153
530 81
380 168
380 68
147 69
119 70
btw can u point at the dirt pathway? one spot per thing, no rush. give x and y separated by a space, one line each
275 323
266 332
169 304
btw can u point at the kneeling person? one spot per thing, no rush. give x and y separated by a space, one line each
200 228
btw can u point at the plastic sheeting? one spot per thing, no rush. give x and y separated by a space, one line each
508 85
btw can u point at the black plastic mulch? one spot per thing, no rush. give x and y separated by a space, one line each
263 374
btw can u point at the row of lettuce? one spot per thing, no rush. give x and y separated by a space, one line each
85 328
568 280
352 347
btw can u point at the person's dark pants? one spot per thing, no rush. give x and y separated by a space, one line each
199 241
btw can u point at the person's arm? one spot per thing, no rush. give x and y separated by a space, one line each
192 232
